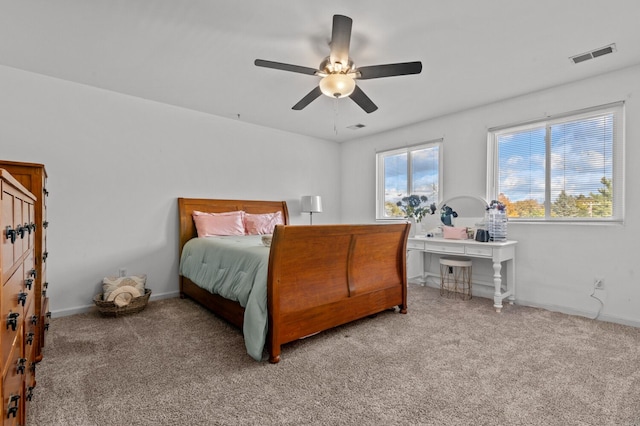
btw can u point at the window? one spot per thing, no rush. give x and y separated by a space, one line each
407 171
567 168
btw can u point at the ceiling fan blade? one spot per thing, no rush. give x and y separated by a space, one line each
285 67
310 97
340 39
363 100
390 70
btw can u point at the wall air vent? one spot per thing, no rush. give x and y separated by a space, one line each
593 54
356 126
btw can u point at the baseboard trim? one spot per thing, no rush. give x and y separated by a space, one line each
486 292
87 308
579 312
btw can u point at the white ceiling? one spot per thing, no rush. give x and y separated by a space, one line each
199 54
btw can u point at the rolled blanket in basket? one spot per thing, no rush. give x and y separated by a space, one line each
122 296
110 284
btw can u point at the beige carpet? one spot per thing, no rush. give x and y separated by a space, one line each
447 362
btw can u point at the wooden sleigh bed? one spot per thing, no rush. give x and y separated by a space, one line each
319 276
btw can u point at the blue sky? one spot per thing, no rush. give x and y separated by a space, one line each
581 154
425 174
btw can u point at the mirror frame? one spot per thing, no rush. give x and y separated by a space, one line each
457 197
451 201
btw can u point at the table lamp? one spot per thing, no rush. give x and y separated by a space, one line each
311 204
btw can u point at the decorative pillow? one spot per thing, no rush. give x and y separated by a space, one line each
259 224
227 223
111 284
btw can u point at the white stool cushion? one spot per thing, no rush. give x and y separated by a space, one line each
456 261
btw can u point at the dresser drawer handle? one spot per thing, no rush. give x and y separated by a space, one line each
30 393
44 256
34 319
30 338
45 224
22 298
28 283
32 367
21 366
10 234
21 230
33 273
12 320
12 408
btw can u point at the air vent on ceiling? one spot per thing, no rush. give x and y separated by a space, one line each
593 54
356 126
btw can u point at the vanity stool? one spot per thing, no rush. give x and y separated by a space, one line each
455 277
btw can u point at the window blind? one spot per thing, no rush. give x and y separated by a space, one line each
565 168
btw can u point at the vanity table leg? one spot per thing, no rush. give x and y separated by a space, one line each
497 282
423 274
511 270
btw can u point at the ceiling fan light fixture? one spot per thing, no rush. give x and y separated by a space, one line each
337 85
338 73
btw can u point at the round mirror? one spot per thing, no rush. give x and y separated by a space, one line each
462 210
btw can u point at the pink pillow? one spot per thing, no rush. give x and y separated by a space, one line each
227 223
258 224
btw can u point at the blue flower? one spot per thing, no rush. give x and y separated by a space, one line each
412 206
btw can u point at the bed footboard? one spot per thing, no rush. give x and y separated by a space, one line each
323 276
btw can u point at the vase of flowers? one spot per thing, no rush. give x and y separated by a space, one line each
415 207
447 214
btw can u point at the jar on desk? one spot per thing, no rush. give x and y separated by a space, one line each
497 224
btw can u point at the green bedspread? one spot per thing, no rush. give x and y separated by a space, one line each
236 268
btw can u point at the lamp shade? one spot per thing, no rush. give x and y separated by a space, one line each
311 204
337 85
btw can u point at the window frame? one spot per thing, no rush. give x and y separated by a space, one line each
617 158
380 176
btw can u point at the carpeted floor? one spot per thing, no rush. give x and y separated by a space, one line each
447 362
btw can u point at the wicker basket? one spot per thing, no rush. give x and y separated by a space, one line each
110 309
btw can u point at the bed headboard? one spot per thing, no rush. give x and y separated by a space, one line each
186 206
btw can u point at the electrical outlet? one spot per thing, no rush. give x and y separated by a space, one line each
598 284
122 272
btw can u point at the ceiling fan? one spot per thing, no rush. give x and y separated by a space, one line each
338 71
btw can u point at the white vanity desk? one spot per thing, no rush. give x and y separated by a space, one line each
497 252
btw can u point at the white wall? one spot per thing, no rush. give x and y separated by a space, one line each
117 164
556 264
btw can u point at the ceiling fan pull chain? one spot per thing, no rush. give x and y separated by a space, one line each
335 115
